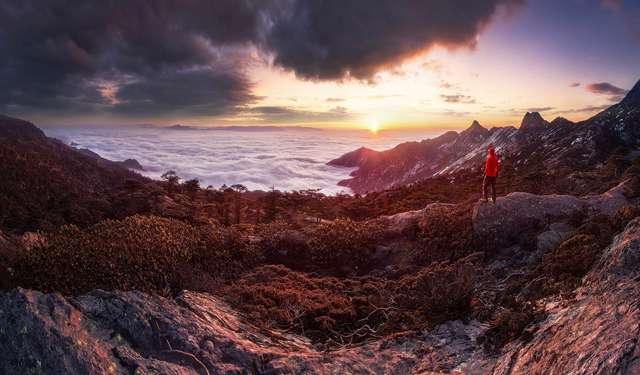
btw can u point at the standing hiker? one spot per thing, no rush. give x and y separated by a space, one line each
491 167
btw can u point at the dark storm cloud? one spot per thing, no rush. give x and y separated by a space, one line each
56 55
335 39
164 57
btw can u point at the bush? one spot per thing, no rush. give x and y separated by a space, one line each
343 246
135 253
442 291
282 244
226 252
445 234
325 309
508 325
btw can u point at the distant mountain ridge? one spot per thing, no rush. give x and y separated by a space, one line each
559 145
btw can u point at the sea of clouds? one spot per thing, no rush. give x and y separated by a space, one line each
289 159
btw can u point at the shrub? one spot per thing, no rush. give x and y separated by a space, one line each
226 252
135 253
325 309
343 245
445 234
282 244
506 326
624 215
441 291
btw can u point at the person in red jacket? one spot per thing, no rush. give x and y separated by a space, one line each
491 167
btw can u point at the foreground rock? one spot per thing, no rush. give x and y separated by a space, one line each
600 333
131 332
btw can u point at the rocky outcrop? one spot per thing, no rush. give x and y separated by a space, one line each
407 222
600 333
518 214
132 332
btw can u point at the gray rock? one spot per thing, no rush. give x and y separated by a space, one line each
600 333
132 332
517 214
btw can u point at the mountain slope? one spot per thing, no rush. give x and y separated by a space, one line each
197 333
47 183
561 146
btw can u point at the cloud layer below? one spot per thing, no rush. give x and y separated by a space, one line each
288 160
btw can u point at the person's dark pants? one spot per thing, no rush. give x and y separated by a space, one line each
489 181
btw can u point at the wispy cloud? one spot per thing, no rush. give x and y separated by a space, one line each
458 98
615 93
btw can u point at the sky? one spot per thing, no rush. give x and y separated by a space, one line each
378 64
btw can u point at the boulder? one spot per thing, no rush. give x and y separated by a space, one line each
517 214
405 223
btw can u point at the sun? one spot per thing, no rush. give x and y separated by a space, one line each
374 125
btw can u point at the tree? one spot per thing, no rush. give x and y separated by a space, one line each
192 187
238 189
271 205
172 181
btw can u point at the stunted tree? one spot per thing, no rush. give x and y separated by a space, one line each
172 180
192 187
238 189
271 205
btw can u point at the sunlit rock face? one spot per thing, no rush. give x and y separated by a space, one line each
599 334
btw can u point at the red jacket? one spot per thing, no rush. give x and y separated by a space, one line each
491 166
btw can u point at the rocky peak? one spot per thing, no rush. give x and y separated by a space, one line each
632 99
475 130
561 121
533 120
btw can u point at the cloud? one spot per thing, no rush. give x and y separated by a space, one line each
606 88
283 114
334 100
336 39
539 109
148 58
458 98
597 108
574 84
297 161
59 57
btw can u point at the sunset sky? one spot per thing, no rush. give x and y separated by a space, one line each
347 64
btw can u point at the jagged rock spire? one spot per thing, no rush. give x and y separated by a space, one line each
533 120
